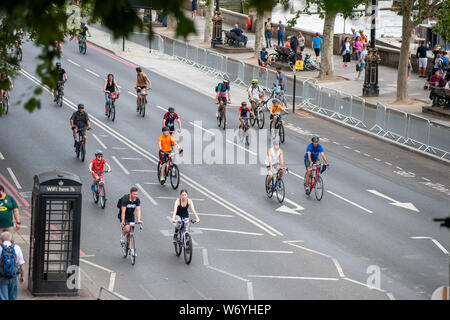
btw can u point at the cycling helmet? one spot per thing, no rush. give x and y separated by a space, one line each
139 69
171 109
275 100
317 33
81 106
307 54
83 23
276 142
98 152
243 103
58 64
254 81
315 139
226 81
165 129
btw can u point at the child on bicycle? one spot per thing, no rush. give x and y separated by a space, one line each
180 210
96 167
275 112
243 115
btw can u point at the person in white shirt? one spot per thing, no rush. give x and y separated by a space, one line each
9 284
255 94
274 161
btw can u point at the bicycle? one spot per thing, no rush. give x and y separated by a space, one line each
184 240
129 247
259 115
315 182
99 192
112 105
277 186
80 148
244 133
221 118
278 127
18 52
82 44
171 170
143 101
59 94
5 102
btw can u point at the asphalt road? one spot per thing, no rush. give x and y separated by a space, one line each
247 246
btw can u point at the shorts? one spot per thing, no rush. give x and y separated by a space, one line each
423 62
140 88
307 166
107 100
409 69
163 157
224 99
274 169
95 175
127 219
302 48
362 66
317 51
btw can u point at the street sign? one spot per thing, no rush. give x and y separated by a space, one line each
299 65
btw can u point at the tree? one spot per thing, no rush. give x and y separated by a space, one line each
259 32
426 9
443 23
209 12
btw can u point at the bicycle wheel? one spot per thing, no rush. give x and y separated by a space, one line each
142 109
102 196
95 193
260 118
60 99
77 149
224 120
248 138
125 249
178 246
319 188
84 47
80 47
253 120
112 112
280 191
5 104
132 250
188 249
159 172
304 184
269 190
174 176
82 151
219 119
241 134
19 54
281 132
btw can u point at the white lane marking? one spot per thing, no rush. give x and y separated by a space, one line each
133 94
389 164
250 291
253 251
175 198
367 155
338 267
147 292
138 170
73 62
399 168
112 276
146 194
152 183
120 165
1 156
390 295
336 142
346 147
16 182
310 250
405 205
376 159
298 176
85 256
162 108
425 179
292 241
112 281
440 246
92 72
351 202
130 158
118 148
104 135
99 141
97 266
232 231
291 277
154 159
227 273
363 284
205 257
200 127
215 215
357 151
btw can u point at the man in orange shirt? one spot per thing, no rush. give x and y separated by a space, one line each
165 147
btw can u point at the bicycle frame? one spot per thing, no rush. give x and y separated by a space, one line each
315 172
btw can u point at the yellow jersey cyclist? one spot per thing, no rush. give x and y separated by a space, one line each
255 94
313 151
274 161
244 112
275 112
165 143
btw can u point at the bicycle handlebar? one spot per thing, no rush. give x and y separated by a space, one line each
132 224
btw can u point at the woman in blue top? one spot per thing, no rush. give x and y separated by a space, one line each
316 45
313 150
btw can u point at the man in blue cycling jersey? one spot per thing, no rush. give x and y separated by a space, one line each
313 150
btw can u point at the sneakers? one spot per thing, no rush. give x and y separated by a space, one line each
163 180
122 239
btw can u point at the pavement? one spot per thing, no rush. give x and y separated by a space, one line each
370 237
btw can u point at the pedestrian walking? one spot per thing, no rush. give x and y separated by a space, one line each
357 47
268 33
194 8
361 63
11 267
346 51
281 30
301 41
316 45
8 210
421 54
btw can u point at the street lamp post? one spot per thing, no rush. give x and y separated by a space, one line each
217 26
370 87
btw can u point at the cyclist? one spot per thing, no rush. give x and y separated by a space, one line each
110 87
222 90
83 32
180 209
275 112
243 114
62 77
80 120
96 167
141 83
128 204
313 150
4 78
165 147
255 94
169 120
274 161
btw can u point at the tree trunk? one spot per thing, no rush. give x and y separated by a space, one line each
402 72
326 63
259 33
209 12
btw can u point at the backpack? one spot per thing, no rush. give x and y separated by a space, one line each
119 203
8 261
217 87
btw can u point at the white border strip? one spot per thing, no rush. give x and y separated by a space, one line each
11 173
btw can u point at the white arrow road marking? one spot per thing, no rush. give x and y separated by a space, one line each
440 246
92 72
294 210
405 205
1 156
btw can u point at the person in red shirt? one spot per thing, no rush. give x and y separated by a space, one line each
96 166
